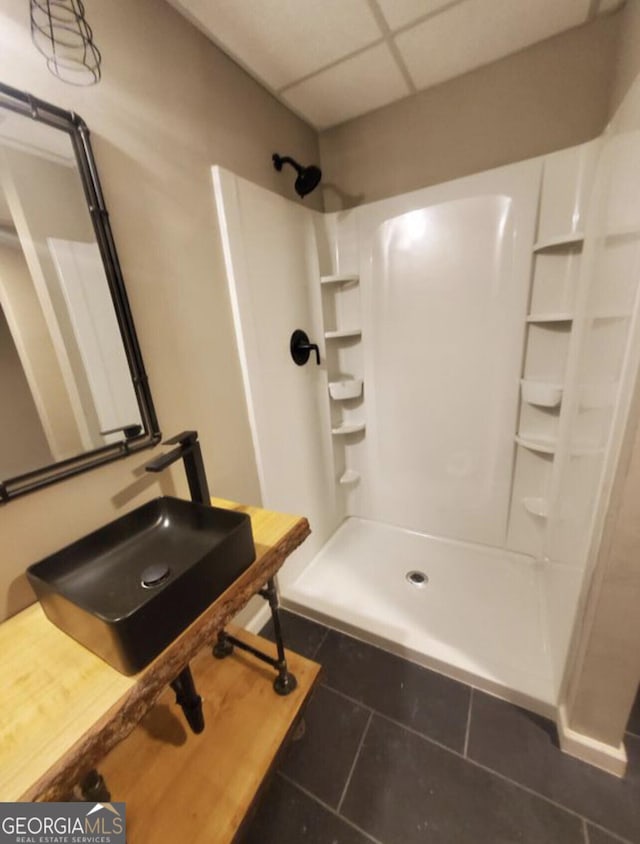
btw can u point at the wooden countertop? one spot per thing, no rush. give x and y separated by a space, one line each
201 788
62 708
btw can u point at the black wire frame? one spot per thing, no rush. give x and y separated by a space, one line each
60 32
69 122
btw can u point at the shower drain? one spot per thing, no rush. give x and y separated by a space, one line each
417 578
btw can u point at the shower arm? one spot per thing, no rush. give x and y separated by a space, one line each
279 160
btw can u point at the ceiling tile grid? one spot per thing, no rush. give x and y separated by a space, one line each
476 32
332 60
399 13
369 80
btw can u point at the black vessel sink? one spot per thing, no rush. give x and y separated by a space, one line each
128 589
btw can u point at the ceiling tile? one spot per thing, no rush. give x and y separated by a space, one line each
357 85
401 12
280 41
476 32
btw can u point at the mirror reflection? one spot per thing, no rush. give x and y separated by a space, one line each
65 382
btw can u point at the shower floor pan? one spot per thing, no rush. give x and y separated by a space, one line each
477 614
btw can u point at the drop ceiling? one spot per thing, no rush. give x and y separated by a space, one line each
331 60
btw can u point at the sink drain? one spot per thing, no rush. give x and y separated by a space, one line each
154 575
417 578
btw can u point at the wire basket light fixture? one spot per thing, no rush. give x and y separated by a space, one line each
59 30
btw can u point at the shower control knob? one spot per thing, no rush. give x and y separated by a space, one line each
301 348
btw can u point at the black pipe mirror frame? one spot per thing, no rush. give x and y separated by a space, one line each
67 121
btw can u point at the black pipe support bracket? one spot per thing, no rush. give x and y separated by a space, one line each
285 682
189 700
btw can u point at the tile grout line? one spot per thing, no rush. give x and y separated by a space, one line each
393 48
479 765
505 778
463 755
328 808
320 643
609 833
386 37
427 16
350 699
284 89
585 831
355 759
466 735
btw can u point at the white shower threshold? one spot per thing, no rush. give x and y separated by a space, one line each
479 618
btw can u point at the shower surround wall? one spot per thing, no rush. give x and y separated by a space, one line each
272 260
444 290
439 301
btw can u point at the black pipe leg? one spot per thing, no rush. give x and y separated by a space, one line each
189 699
94 789
223 647
285 682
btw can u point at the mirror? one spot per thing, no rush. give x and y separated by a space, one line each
73 389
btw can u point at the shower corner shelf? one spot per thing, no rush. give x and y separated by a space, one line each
609 315
558 242
557 316
351 428
347 389
339 278
548 446
544 446
350 476
541 393
537 507
342 333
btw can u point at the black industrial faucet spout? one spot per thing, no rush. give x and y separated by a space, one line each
190 452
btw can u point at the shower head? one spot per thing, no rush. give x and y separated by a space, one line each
308 177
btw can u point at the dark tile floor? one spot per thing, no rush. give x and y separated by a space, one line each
393 753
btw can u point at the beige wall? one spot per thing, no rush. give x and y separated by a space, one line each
552 95
169 106
627 65
604 669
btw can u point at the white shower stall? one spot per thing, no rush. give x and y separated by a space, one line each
454 450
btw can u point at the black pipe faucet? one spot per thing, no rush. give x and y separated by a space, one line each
190 452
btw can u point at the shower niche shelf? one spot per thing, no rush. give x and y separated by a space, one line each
548 446
347 389
547 385
541 393
559 242
543 445
536 506
604 315
342 319
558 316
342 333
348 428
340 278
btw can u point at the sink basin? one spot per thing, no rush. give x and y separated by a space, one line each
128 589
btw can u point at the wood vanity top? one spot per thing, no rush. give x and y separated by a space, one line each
201 789
62 708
